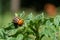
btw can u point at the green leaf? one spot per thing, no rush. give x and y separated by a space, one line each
20 37
42 17
32 37
22 15
11 32
2 39
46 38
30 16
27 38
2 33
48 23
11 38
9 26
57 20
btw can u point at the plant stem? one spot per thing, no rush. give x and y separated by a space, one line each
37 33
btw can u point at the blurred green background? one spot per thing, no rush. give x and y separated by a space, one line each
5 15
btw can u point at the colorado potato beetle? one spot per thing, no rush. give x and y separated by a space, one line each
18 21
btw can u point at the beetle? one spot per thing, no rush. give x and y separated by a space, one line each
18 22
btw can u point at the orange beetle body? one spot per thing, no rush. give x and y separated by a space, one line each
20 22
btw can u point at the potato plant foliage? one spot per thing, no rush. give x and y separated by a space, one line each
36 27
